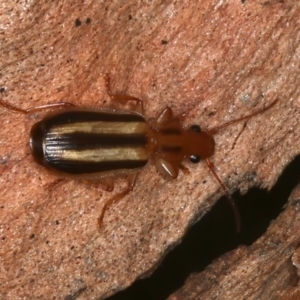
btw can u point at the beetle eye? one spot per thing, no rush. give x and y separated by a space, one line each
194 159
195 128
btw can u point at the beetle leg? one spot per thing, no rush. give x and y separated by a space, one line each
184 169
49 106
131 182
166 168
53 183
34 109
165 116
123 98
106 183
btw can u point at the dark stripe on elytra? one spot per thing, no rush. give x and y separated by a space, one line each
69 117
85 141
81 167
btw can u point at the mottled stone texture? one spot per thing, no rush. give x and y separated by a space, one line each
212 60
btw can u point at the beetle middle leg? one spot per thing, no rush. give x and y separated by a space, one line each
51 185
123 98
131 182
105 184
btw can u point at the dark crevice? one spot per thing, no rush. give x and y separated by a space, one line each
214 235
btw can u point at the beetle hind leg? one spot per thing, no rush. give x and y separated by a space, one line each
36 108
131 182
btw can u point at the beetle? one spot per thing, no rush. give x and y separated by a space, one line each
101 144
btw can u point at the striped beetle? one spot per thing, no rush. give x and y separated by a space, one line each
98 144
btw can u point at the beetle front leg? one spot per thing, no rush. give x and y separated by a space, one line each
165 117
166 120
166 168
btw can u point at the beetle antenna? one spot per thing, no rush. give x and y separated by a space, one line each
230 199
216 129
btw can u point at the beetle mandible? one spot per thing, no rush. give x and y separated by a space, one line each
97 144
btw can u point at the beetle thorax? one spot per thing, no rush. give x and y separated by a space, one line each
176 144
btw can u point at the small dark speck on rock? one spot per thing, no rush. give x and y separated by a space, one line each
77 22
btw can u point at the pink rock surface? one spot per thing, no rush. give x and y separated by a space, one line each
214 61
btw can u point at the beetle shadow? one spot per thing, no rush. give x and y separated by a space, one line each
214 235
